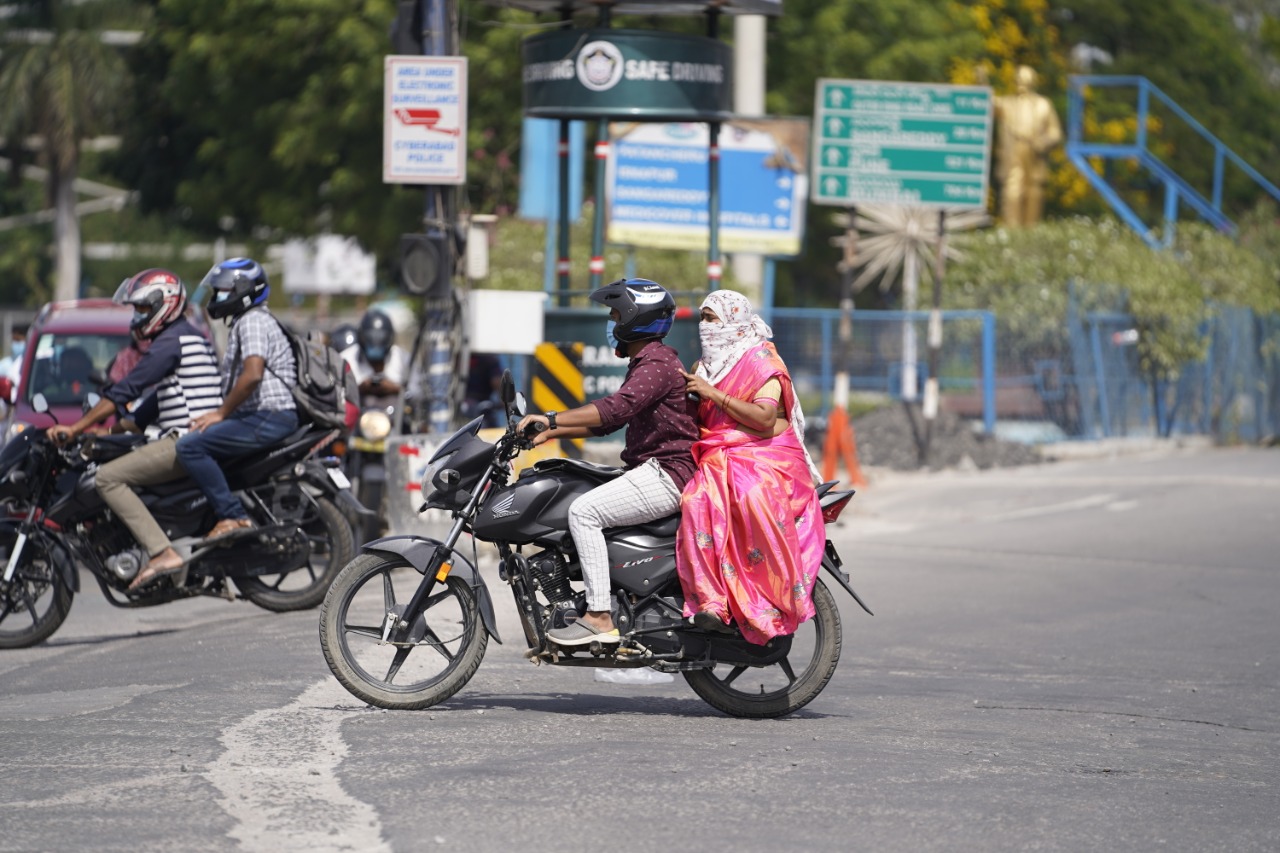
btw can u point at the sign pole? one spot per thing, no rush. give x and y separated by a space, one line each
849 245
597 231
562 254
714 268
935 336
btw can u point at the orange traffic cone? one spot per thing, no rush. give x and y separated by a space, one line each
840 443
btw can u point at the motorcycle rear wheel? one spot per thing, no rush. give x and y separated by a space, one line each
305 587
408 677
37 601
779 689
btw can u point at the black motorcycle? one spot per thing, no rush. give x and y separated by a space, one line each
405 625
53 522
366 464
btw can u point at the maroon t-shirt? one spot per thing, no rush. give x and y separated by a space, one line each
661 422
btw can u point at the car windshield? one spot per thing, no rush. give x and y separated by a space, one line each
65 366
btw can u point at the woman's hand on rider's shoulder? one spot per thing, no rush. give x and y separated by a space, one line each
206 420
696 384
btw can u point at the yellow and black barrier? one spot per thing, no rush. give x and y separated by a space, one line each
557 385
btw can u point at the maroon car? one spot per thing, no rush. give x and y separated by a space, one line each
69 348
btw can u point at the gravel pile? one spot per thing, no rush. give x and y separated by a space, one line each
887 438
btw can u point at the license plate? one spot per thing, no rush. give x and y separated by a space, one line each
339 479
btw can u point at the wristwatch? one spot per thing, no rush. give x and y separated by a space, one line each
551 419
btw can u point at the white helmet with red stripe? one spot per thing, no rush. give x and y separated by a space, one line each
158 297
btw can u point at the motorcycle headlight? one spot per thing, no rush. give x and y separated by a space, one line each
14 430
429 475
375 425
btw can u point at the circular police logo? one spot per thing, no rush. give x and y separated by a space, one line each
599 66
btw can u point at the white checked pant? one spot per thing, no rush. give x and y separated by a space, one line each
642 494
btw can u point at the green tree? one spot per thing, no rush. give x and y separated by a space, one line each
266 117
1024 276
60 83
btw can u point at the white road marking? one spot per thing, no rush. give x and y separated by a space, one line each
278 778
1053 509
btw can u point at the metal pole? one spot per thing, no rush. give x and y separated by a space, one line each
840 389
596 267
714 267
562 259
935 336
440 220
597 230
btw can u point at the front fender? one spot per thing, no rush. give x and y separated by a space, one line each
417 552
64 562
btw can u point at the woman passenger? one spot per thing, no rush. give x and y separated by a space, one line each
751 534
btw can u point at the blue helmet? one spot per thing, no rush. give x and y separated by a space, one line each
238 284
645 309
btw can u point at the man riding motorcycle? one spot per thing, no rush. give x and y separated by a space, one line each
661 428
180 363
379 364
258 408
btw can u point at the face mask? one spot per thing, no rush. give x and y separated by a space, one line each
19 347
608 333
710 333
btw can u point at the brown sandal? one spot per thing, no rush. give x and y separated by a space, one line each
155 570
226 527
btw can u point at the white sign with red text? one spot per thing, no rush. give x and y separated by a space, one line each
424 120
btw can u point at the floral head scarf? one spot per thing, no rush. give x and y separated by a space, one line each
740 329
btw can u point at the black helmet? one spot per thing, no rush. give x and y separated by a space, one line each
238 285
376 335
342 337
645 309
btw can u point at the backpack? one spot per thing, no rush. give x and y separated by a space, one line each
326 392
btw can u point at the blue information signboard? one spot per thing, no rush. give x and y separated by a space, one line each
658 186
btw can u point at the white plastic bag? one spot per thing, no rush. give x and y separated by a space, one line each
641 675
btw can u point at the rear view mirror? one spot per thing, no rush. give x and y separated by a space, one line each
508 392
39 403
519 407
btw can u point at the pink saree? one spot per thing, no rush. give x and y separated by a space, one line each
751 536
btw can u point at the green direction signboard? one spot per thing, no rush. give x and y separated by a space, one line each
913 144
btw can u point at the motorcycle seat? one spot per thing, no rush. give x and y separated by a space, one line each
589 470
664 526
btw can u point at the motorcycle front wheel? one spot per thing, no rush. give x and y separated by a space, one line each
302 588
446 642
762 692
36 601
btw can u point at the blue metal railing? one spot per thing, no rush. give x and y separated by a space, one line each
1177 189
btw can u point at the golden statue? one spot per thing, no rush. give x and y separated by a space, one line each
1026 128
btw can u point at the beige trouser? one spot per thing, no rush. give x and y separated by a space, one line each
155 462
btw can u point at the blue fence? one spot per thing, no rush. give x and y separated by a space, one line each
1088 384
